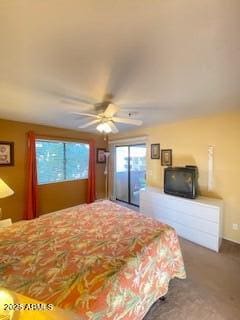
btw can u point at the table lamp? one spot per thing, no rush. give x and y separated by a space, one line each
6 299
5 191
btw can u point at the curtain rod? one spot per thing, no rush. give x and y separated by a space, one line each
129 140
49 136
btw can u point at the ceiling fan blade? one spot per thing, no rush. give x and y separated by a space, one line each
128 121
88 124
86 114
111 110
81 106
113 127
63 93
142 106
126 67
79 100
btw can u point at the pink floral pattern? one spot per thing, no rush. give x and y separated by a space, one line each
101 261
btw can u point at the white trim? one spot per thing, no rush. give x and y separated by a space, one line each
128 141
238 242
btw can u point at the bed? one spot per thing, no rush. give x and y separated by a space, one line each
101 261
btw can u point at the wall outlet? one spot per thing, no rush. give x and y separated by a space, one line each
235 226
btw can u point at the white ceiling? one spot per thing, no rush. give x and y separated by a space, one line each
165 59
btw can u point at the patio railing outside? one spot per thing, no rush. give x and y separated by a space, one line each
137 182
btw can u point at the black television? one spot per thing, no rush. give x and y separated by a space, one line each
181 181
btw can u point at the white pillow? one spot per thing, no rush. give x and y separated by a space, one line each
5 223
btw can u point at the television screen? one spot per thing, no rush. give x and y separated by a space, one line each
180 182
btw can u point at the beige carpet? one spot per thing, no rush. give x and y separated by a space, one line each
183 302
211 291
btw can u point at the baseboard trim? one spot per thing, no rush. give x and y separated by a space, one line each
238 242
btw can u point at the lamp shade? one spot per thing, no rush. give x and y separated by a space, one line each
6 299
104 127
5 191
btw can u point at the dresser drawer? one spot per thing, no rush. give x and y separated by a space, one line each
204 239
197 220
188 207
171 215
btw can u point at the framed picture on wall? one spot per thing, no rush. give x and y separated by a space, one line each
155 151
101 158
166 157
6 153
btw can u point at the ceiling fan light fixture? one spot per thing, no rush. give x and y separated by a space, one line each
104 127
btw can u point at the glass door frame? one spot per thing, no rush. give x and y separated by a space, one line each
129 169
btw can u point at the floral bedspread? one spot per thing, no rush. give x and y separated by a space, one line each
101 261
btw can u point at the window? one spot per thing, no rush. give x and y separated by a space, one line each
61 161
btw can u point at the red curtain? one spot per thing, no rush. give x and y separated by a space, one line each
31 210
91 187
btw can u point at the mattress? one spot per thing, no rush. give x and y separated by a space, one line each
101 260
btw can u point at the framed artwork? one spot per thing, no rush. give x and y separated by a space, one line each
6 153
155 151
101 158
166 157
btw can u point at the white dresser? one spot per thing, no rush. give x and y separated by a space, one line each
198 220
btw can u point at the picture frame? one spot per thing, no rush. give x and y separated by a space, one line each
6 153
101 158
166 157
155 151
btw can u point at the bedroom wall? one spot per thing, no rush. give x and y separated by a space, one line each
52 196
189 141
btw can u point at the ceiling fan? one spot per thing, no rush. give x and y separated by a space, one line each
106 119
124 69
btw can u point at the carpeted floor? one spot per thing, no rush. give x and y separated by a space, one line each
211 290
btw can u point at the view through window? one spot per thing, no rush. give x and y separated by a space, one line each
130 172
61 161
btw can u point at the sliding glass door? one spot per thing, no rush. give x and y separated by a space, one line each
137 169
122 174
130 172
